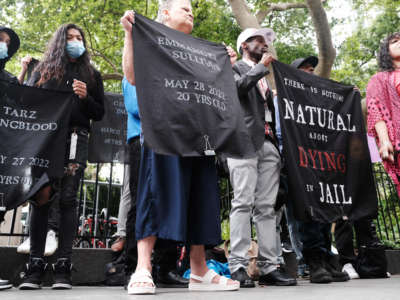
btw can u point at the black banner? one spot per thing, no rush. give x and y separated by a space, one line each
187 95
107 140
325 147
33 133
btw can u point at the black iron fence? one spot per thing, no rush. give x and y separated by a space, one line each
99 201
98 198
387 223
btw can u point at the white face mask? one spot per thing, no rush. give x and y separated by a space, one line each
3 50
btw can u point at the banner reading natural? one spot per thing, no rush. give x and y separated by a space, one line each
33 132
325 147
187 95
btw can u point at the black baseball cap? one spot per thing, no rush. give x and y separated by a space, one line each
312 60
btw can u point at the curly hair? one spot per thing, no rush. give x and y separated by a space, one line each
55 60
385 60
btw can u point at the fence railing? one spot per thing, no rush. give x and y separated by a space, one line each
98 210
388 224
99 202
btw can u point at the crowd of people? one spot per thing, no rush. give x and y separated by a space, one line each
169 199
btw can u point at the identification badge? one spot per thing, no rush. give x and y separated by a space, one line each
72 148
268 116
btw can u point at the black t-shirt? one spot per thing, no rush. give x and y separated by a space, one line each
83 110
4 75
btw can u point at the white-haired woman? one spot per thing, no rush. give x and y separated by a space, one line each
181 192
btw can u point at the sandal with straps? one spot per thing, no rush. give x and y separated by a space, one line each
206 283
141 276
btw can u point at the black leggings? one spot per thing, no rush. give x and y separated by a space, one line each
130 248
66 191
344 238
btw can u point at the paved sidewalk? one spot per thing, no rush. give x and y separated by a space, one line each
365 289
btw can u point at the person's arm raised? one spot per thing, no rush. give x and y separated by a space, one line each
127 22
24 68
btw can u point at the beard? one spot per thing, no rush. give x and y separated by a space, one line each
256 55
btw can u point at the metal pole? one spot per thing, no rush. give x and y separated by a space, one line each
12 225
108 205
96 203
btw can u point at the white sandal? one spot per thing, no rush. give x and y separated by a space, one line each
206 283
141 276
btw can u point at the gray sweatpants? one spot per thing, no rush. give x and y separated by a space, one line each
255 183
124 204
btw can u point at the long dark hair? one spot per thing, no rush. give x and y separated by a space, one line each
55 60
385 60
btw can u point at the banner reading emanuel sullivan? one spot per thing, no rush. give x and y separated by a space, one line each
33 132
325 147
107 141
187 95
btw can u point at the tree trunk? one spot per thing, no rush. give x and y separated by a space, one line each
326 51
243 15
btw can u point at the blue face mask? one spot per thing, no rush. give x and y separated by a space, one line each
75 49
3 50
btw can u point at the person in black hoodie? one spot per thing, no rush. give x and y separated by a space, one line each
9 45
65 67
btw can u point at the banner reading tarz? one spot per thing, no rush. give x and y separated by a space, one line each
187 95
325 147
33 132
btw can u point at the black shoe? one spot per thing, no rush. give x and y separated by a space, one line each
244 279
32 279
277 277
5 284
62 274
314 258
171 280
337 276
318 274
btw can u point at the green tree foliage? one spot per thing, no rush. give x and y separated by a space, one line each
36 20
356 61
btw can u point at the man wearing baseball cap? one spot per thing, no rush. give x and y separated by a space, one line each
255 180
307 64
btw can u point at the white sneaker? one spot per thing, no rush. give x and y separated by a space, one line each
349 269
4 284
25 247
51 243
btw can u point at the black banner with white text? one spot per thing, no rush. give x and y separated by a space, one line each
107 142
325 147
187 96
33 133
